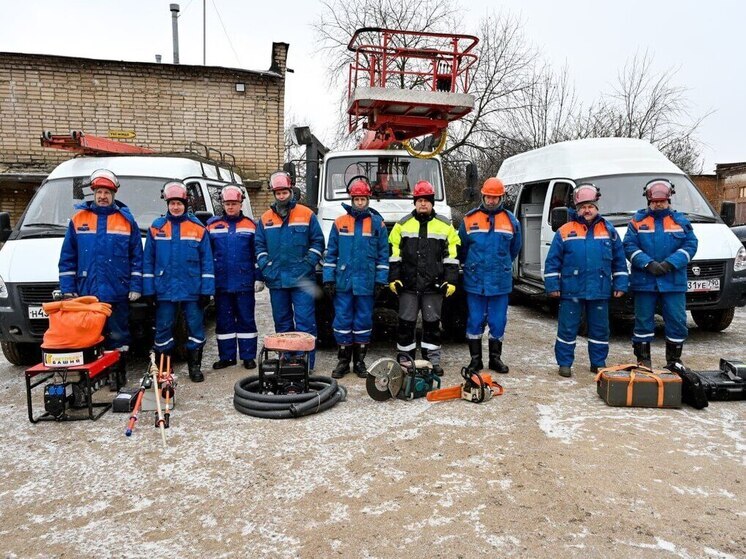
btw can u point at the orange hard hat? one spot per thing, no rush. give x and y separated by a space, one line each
493 187
423 189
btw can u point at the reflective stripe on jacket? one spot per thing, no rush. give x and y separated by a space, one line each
178 259
490 241
586 261
287 250
233 253
662 235
358 253
424 252
102 253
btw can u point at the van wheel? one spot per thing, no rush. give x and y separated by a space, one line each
715 320
18 353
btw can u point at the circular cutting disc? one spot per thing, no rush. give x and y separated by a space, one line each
384 379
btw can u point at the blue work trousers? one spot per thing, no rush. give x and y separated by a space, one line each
353 318
483 310
165 318
597 320
117 328
294 310
673 306
235 321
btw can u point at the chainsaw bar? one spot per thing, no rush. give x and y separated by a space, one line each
385 379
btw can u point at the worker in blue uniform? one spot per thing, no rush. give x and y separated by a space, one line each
236 280
659 243
178 271
490 241
356 269
102 256
584 267
289 245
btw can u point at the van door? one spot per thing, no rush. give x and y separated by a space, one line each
559 194
530 215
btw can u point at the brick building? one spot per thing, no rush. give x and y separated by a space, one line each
164 106
732 182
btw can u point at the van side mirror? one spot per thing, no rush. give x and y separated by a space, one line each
289 168
727 213
471 182
5 229
558 217
203 216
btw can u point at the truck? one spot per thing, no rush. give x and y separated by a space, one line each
392 116
29 274
539 186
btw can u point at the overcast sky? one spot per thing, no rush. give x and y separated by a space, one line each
702 41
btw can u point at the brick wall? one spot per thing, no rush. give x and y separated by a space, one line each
709 186
165 105
732 178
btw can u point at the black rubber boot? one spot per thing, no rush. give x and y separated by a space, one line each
223 363
344 356
642 353
194 362
359 352
673 354
475 352
249 364
495 351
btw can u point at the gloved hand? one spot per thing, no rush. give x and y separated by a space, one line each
448 288
666 267
395 285
69 296
330 288
655 268
204 300
258 286
377 289
134 296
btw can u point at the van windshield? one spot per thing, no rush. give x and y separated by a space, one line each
53 205
390 176
621 195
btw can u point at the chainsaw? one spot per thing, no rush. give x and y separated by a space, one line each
403 378
477 387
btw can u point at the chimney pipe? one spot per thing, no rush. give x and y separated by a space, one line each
158 58
175 27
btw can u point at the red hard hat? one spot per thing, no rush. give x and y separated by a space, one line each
658 189
493 187
103 178
423 188
359 186
586 193
174 190
231 193
280 180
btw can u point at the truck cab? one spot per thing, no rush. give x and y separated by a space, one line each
539 185
28 260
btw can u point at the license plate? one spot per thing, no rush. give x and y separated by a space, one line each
694 286
37 312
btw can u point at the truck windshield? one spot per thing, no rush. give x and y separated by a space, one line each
390 176
53 205
622 195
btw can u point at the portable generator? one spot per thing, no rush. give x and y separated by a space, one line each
284 363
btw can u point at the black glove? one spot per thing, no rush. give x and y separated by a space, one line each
330 288
655 268
204 300
666 267
377 289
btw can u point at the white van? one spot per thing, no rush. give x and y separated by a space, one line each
28 259
541 180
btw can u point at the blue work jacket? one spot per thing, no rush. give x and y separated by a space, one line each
233 253
288 249
102 253
178 259
663 236
490 241
586 261
357 257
